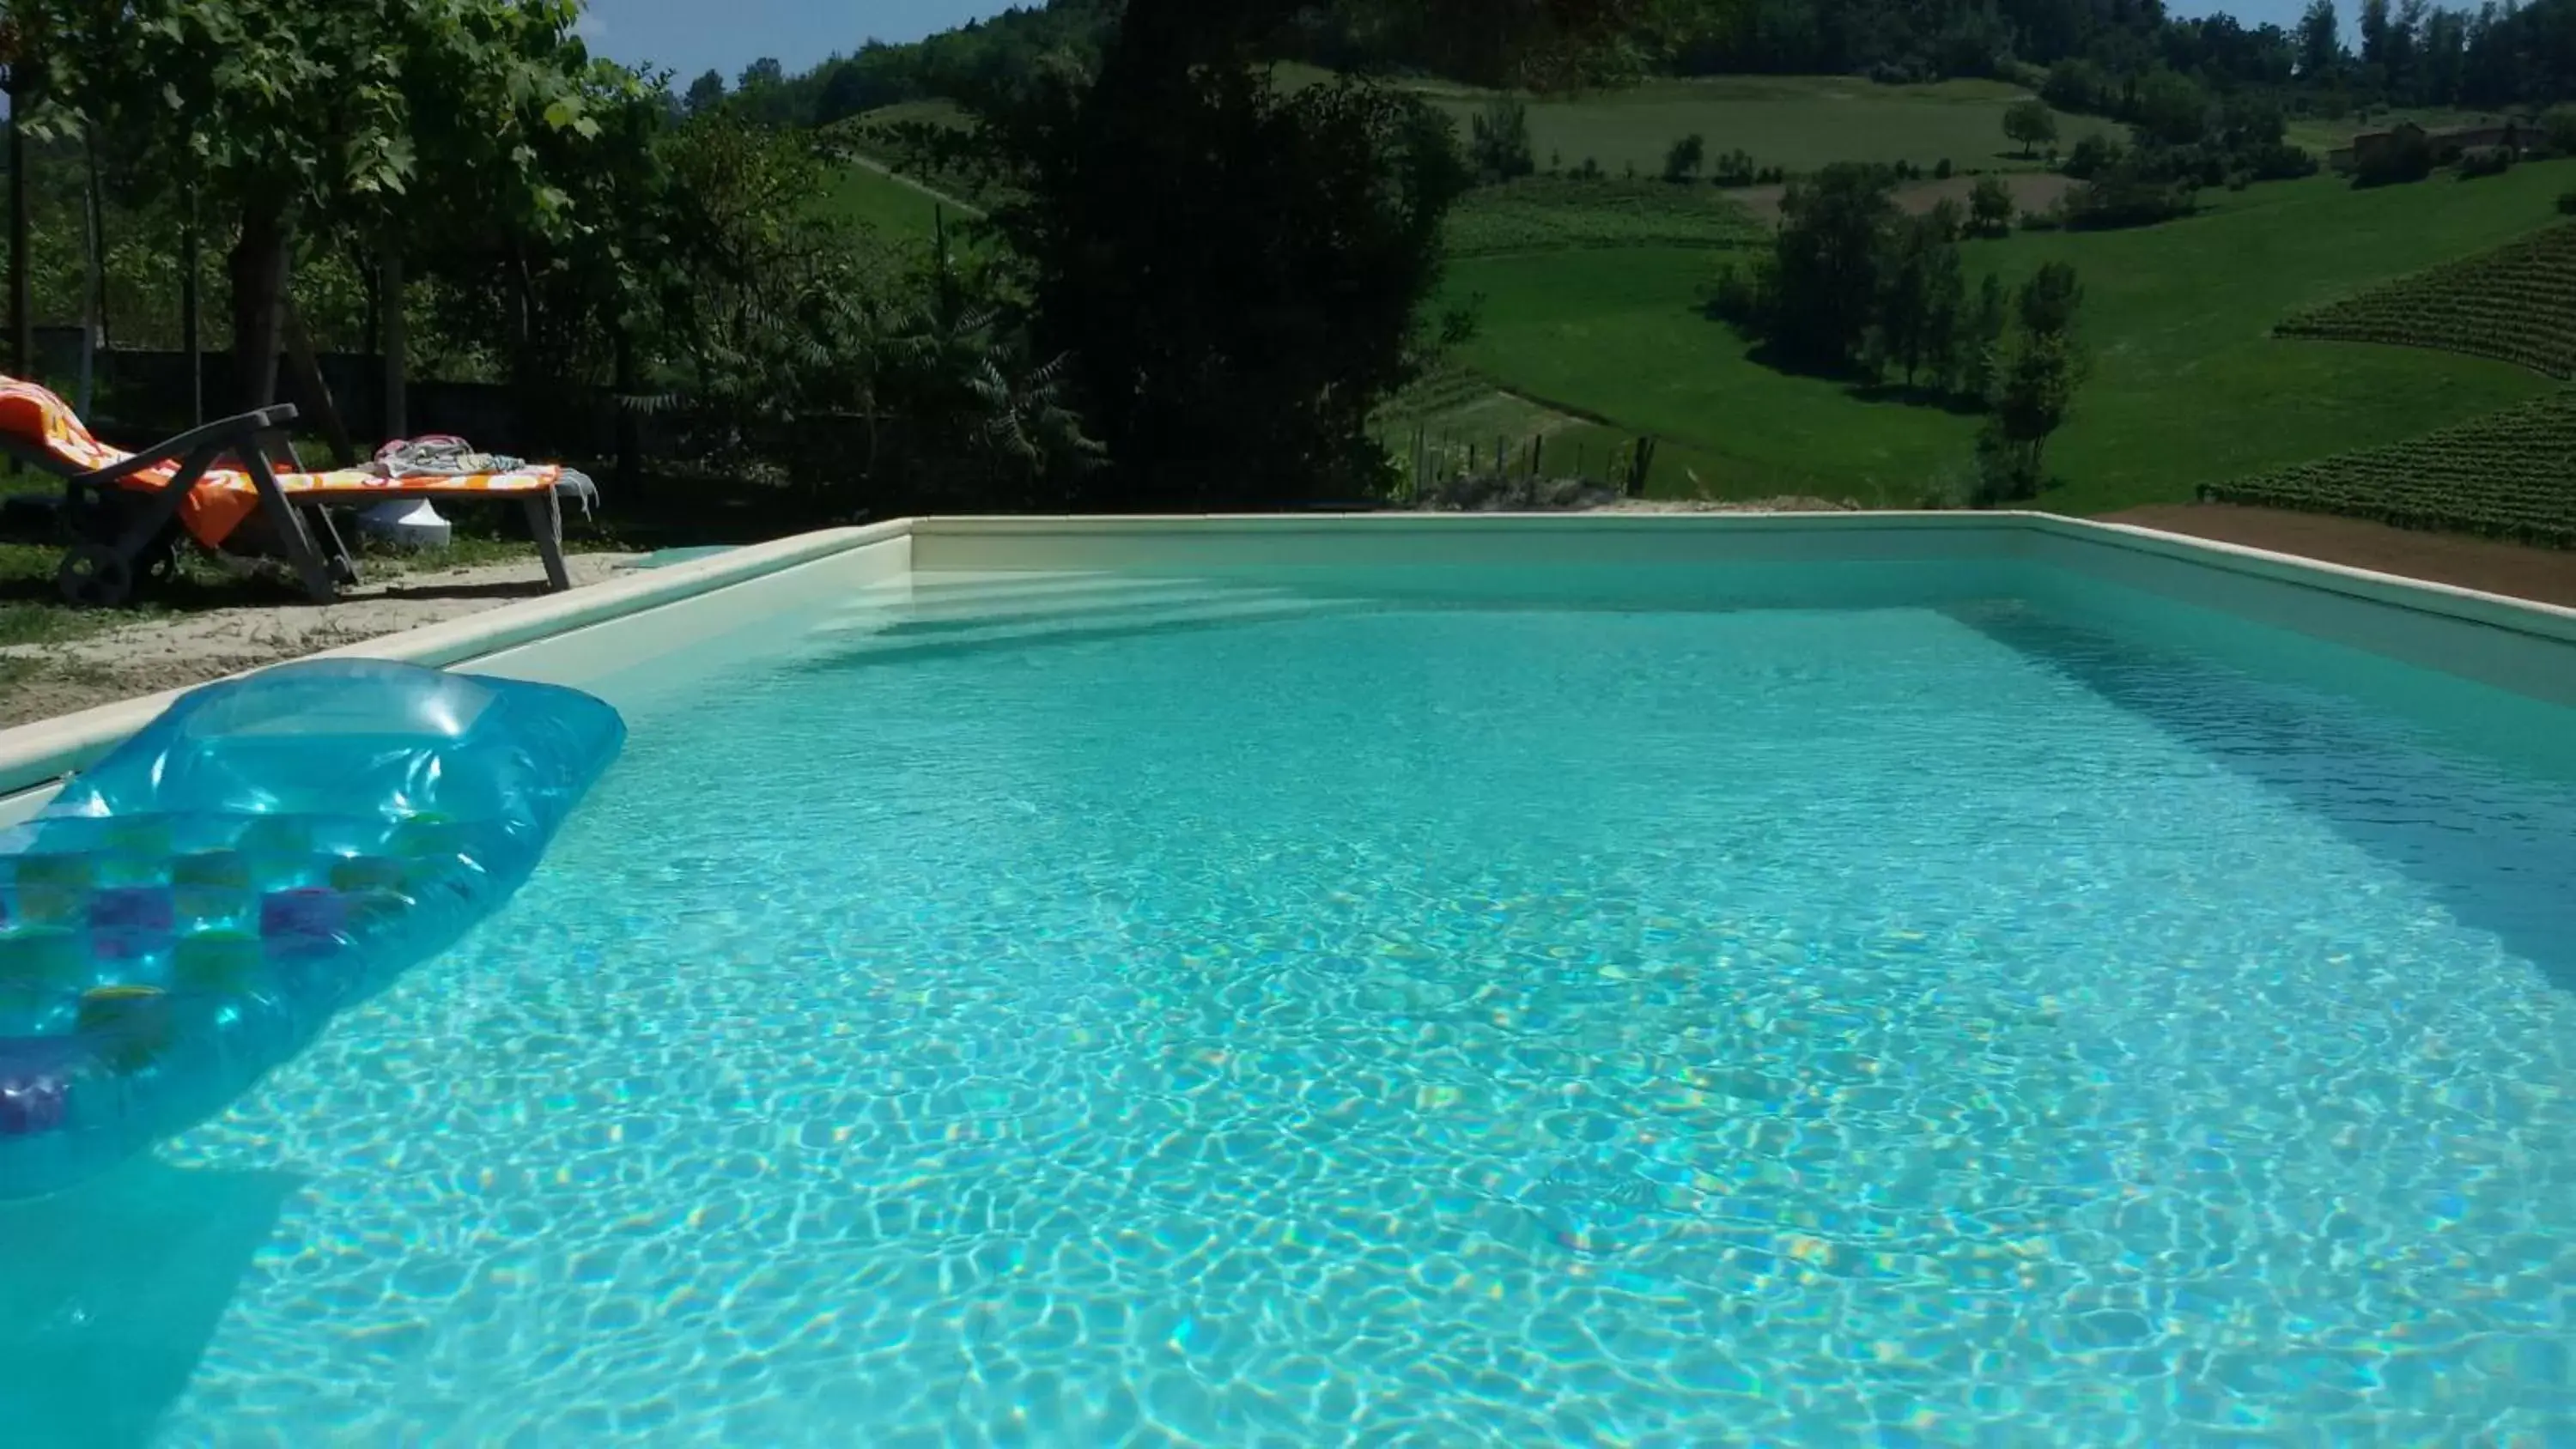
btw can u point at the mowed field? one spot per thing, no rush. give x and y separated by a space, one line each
896 209
2188 385
1800 123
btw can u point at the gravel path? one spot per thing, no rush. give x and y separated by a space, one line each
173 650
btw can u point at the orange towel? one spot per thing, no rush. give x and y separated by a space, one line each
224 497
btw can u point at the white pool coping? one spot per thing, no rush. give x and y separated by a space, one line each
566 638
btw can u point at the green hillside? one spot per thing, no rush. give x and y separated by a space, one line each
2188 386
897 209
1802 123
1542 213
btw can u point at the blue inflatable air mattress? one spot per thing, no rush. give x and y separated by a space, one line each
193 910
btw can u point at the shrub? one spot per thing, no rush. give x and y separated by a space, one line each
2004 473
2121 198
1590 170
1499 144
2092 156
2567 203
1990 208
2076 85
2485 161
1736 299
2558 125
2048 220
2278 161
2239 180
1774 175
1941 169
1735 168
1683 161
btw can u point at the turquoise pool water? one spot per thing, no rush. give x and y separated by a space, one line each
1224 1017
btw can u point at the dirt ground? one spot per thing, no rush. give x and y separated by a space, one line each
2031 191
38 681
2545 575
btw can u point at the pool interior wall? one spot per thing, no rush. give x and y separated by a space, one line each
1724 560
2311 653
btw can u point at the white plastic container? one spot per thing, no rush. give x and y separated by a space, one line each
408 523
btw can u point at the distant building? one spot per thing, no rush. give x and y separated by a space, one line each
2447 144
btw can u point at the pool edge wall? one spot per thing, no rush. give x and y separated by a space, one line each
574 638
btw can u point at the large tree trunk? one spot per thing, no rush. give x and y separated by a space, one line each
22 311
259 269
93 274
396 343
320 408
190 265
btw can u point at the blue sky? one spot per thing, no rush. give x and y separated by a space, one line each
2283 13
691 36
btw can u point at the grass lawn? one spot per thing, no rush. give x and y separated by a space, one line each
2187 386
897 211
1798 122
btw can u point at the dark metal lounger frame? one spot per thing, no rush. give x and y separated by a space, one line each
102 573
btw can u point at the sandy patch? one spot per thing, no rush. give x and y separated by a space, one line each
173 651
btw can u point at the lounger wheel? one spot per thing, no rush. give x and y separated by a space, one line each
94 576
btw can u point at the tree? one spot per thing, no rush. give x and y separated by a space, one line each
2033 386
2559 126
1823 282
1684 160
2320 41
2172 109
846 93
2076 84
765 71
1500 144
2032 399
343 113
1981 336
2045 305
2031 123
1237 272
705 94
1990 208
1922 291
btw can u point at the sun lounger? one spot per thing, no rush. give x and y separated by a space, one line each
213 482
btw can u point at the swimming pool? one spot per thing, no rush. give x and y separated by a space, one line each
1914 1001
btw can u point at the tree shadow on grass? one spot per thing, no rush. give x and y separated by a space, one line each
1860 386
1917 395
110 1292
